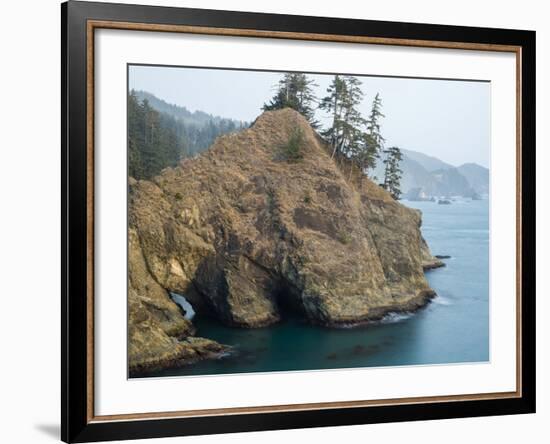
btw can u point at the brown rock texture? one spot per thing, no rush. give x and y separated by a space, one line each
158 334
244 233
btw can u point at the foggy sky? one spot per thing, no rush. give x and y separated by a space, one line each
446 119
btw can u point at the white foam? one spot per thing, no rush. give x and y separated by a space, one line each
441 300
393 317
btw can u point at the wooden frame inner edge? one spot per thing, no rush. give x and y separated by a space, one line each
96 24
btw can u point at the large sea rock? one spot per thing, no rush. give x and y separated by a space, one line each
247 234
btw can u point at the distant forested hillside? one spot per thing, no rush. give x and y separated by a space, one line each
160 134
197 118
153 141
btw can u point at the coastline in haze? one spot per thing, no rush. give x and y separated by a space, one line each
289 221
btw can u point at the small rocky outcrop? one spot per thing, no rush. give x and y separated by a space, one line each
246 234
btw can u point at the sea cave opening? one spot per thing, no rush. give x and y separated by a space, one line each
186 309
288 301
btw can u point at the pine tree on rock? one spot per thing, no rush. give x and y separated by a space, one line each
373 140
332 104
342 102
373 122
392 172
367 155
295 91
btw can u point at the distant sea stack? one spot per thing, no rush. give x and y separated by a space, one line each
263 222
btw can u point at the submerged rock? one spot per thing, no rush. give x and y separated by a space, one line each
245 234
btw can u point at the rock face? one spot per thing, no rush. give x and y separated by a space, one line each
245 235
158 333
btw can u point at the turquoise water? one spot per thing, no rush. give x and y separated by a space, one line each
453 328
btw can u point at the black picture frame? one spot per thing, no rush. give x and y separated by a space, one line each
76 423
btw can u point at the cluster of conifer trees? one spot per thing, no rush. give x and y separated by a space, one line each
153 142
157 140
350 135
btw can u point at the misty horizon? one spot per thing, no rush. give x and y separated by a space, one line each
445 119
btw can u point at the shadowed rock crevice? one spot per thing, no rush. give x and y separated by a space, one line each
248 236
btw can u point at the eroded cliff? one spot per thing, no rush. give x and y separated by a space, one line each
246 234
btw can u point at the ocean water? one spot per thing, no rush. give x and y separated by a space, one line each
453 328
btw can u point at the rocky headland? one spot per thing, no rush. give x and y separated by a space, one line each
247 233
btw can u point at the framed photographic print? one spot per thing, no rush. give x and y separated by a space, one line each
275 221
